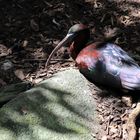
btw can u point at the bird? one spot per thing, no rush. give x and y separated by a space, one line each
103 63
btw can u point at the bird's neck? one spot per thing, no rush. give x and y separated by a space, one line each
75 49
78 44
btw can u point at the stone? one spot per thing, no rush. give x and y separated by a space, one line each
59 108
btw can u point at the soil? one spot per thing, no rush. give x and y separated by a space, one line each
30 29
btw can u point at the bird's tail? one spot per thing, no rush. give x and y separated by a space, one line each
130 78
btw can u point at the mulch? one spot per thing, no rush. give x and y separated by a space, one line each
30 29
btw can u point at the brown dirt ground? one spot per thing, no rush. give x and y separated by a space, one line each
30 29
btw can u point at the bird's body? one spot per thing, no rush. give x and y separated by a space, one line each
109 65
101 62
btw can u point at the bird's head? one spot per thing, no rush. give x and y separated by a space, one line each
78 35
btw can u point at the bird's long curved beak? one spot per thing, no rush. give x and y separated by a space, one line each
66 40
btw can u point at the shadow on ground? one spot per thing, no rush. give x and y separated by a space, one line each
43 23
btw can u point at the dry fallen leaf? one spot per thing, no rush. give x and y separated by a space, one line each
104 138
3 83
4 51
38 80
34 25
24 43
19 73
127 100
113 129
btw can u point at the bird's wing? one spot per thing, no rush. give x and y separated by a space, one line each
114 54
119 63
130 78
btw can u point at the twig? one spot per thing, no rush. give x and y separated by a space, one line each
131 126
65 60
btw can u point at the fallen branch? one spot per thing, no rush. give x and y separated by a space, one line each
131 126
52 60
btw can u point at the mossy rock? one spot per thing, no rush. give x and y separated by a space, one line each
59 108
